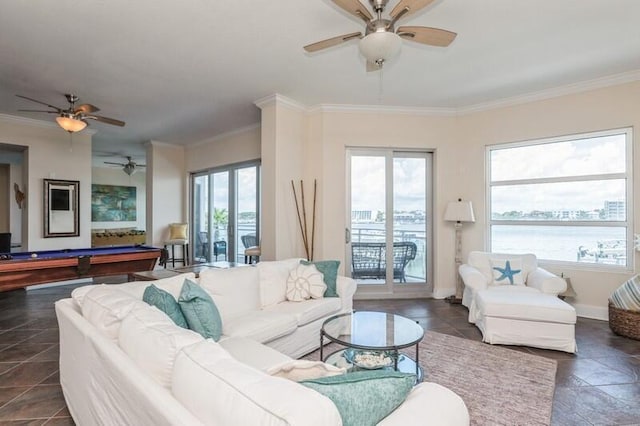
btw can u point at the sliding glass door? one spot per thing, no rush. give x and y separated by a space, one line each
389 234
225 204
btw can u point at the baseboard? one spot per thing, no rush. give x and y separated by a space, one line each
444 292
593 312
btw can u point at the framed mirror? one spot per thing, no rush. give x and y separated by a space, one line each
61 208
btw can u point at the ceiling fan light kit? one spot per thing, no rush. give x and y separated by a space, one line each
70 124
381 42
73 119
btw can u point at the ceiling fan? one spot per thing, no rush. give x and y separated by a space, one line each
129 167
381 41
74 118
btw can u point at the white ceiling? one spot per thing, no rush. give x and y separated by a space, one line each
185 71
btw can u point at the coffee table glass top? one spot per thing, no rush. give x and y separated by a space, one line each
369 330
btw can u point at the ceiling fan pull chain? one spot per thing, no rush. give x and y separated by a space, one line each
380 84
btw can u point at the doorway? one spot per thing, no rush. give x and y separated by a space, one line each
225 210
389 234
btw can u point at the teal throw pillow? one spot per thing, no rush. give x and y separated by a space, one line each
329 269
199 310
166 303
364 398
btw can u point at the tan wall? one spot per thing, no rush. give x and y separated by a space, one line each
608 108
166 190
236 147
52 154
115 176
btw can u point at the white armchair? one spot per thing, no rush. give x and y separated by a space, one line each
478 274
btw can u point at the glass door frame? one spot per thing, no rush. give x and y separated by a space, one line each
232 248
391 289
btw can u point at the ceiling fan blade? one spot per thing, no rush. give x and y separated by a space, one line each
40 102
86 108
330 42
39 110
115 164
106 120
426 35
355 8
407 7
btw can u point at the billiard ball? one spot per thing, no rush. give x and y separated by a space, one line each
34 255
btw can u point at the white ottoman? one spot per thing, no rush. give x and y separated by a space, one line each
528 318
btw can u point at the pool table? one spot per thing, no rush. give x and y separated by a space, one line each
28 268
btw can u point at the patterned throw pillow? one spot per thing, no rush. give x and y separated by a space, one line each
627 296
305 282
364 398
329 269
200 312
507 271
166 303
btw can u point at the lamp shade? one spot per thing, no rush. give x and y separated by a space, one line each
70 124
459 211
380 46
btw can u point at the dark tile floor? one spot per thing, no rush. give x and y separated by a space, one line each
598 386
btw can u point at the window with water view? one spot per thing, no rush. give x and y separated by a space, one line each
563 199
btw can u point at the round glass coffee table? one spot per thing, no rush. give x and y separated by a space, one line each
372 340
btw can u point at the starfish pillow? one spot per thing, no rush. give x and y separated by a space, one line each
507 271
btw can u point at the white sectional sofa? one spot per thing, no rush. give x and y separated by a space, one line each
124 362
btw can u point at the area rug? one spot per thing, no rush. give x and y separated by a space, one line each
500 386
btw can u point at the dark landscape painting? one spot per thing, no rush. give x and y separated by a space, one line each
111 203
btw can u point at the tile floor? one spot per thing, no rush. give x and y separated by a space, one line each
598 386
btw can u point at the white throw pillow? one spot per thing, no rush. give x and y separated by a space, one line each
234 290
507 271
152 340
273 280
305 282
172 285
300 369
105 307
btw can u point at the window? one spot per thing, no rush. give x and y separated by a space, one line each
563 199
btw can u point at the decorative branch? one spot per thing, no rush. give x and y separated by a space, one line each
302 219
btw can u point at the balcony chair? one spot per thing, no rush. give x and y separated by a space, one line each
251 248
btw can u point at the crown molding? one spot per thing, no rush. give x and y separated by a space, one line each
569 89
281 100
226 135
382 109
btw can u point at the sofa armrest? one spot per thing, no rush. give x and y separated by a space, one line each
346 288
443 406
546 282
473 278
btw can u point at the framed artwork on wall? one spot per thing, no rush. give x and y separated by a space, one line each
61 208
113 203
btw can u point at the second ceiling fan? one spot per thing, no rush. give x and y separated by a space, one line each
381 40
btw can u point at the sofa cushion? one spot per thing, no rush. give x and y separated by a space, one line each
301 369
152 340
79 293
261 326
234 290
273 280
162 300
105 307
199 310
309 310
304 282
252 353
515 302
243 395
172 285
329 270
363 398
